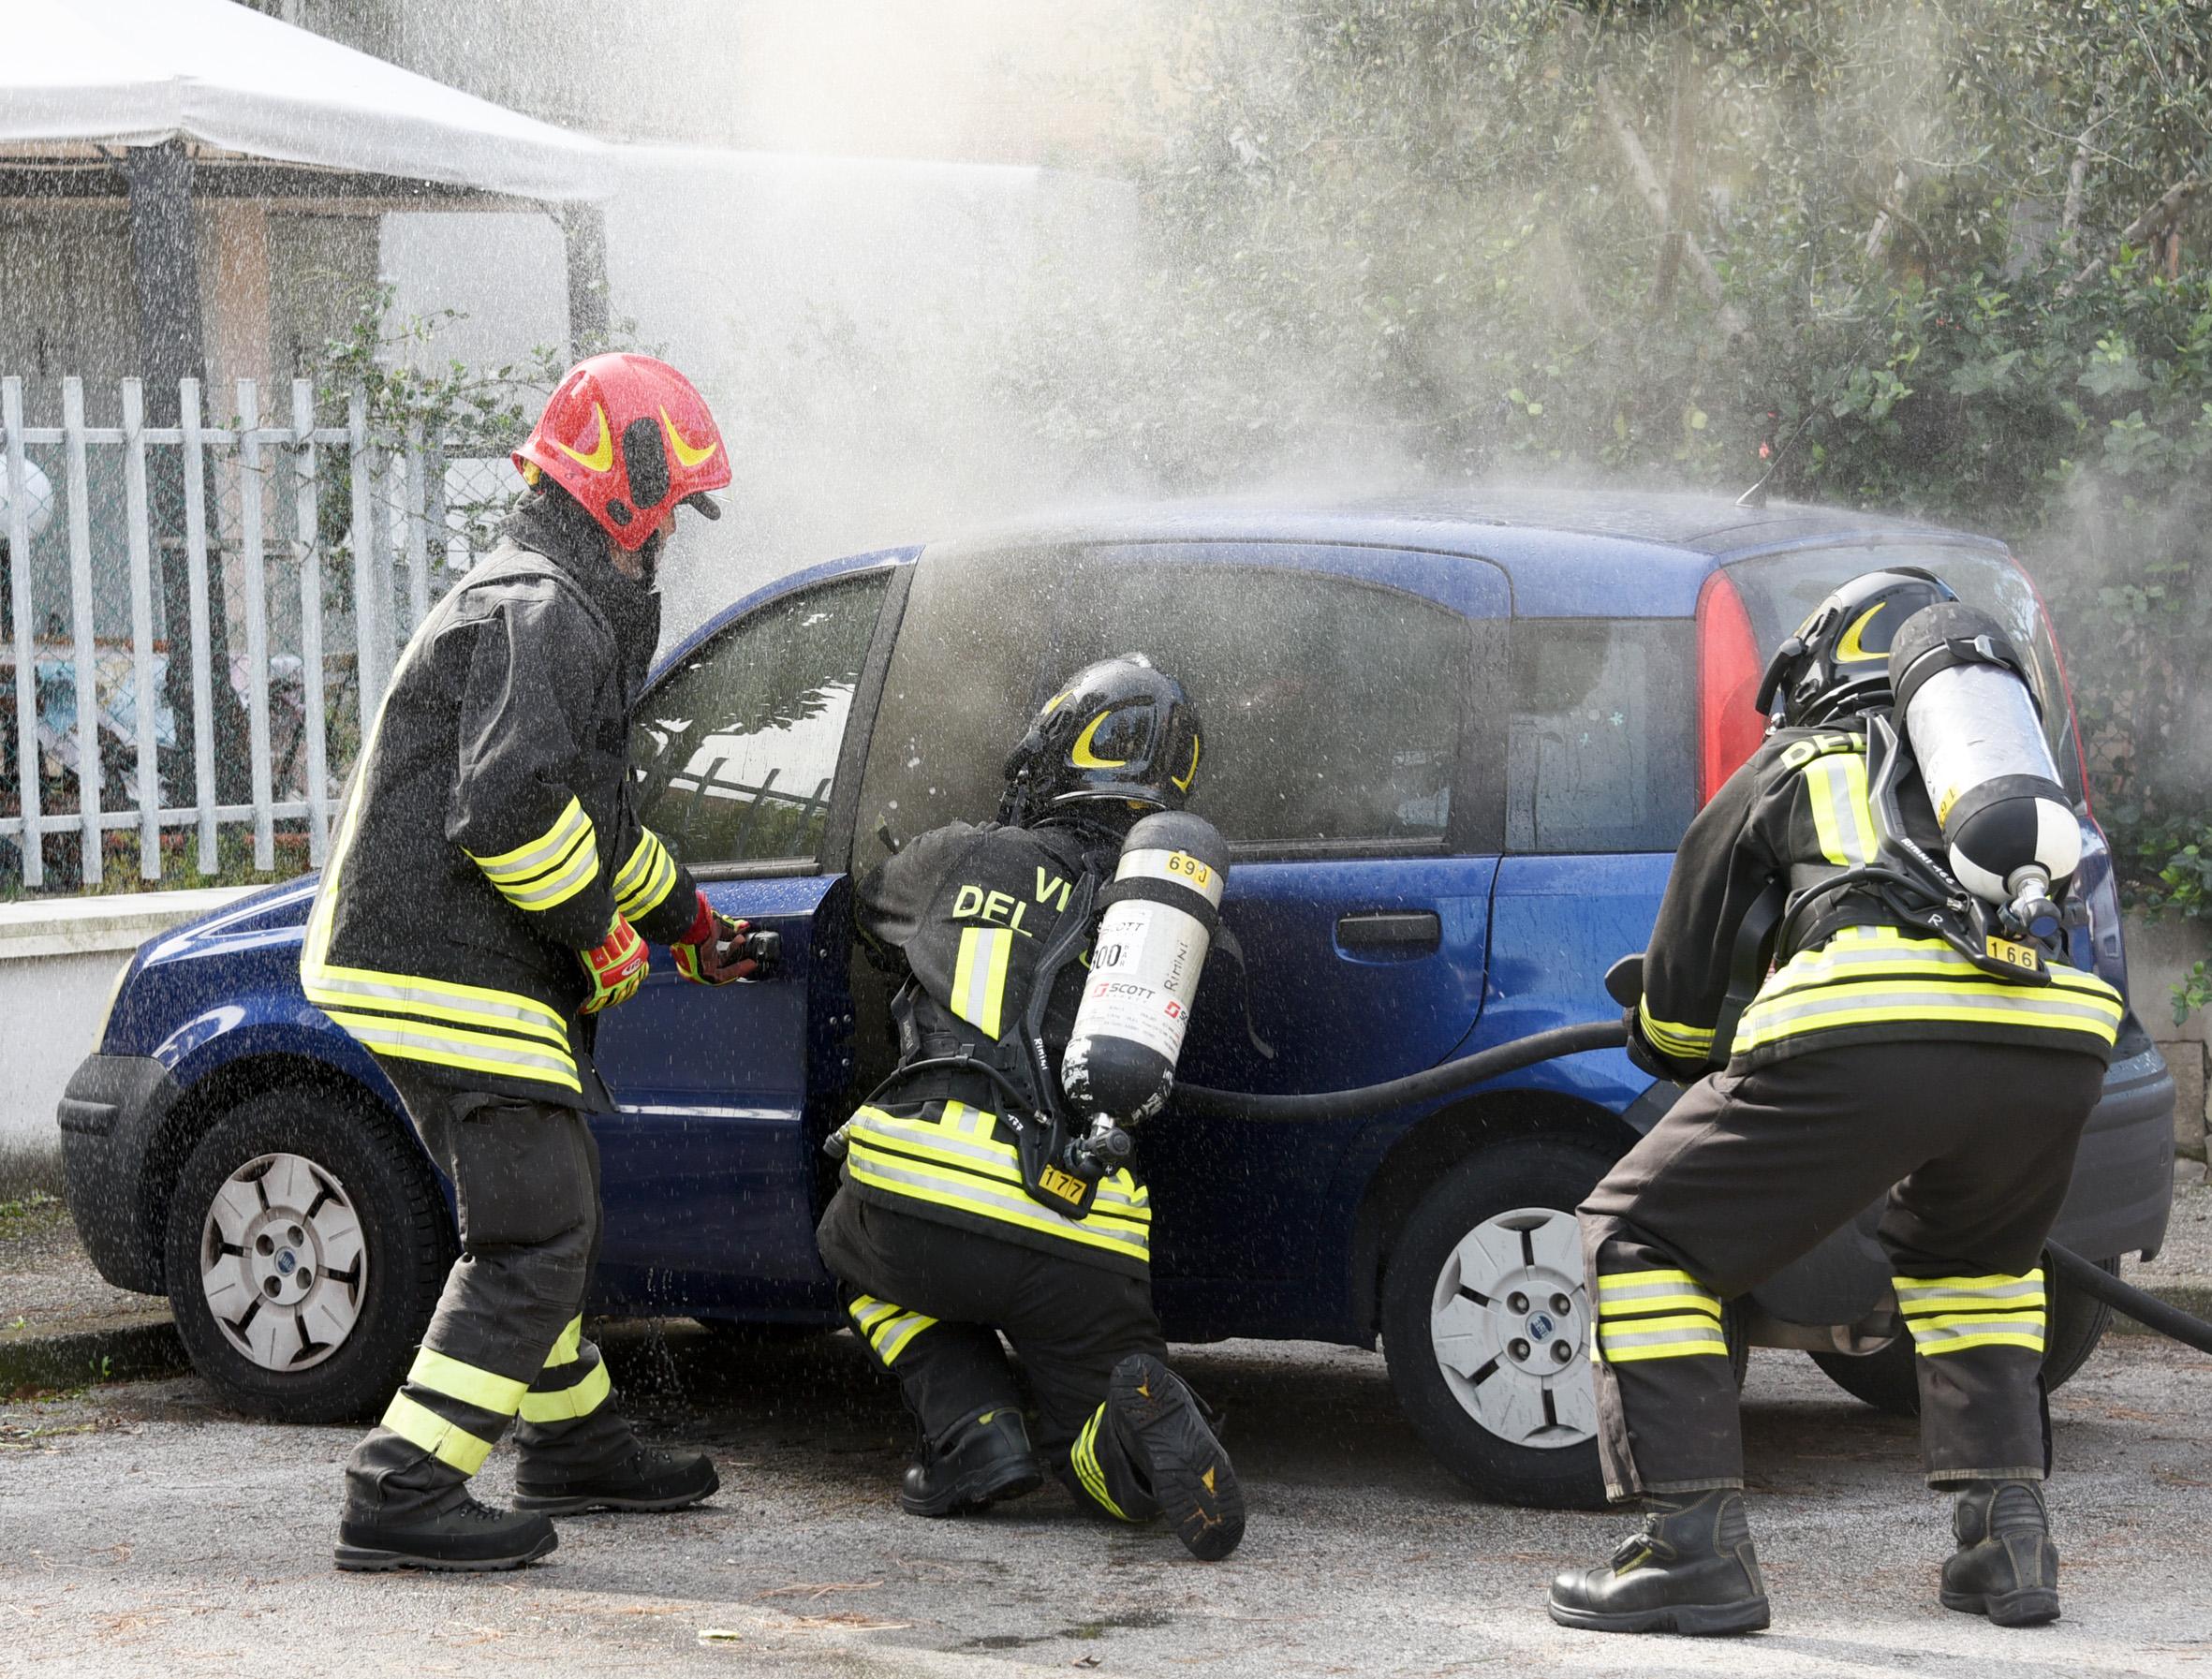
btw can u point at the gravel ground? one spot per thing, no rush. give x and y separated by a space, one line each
2188 1253
45 1278
143 1530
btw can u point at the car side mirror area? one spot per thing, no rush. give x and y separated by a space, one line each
1624 979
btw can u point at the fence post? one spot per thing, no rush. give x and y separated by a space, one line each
418 536
368 610
81 609
256 620
311 659
136 515
203 698
27 658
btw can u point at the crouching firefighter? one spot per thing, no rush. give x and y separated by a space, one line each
489 891
986 1188
1919 1038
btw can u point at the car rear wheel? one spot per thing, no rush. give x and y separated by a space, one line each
1889 1381
1486 1324
307 1245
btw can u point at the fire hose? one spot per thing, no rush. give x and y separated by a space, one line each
1198 1102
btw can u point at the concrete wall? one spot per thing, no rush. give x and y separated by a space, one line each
59 960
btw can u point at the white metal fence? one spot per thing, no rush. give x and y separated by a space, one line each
196 630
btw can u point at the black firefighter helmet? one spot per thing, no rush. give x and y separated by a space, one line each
1119 731
1837 663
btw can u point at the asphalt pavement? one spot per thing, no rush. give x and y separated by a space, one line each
143 1530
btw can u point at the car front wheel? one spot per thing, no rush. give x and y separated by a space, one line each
307 1241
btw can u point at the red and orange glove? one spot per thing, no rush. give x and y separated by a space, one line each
712 952
616 965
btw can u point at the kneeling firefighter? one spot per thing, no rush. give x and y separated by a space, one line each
974 1201
489 889
1918 1036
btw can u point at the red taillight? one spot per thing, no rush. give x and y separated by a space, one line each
2073 722
1730 726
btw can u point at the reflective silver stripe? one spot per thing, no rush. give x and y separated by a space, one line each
1945 1337
2017 1288
1934 963
2015 1000
641 899
1614 1336
564 883
1017 1209
538 1022
983 958
407 1034
893 1338
935 1139
526 861
1832 781
647 862
1688 1295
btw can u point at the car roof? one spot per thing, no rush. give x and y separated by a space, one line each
1564 549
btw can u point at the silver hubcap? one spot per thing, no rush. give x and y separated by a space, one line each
1510 1327
282 1262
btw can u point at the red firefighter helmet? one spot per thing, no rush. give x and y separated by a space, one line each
630 438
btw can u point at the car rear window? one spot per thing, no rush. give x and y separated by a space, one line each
1780 592
1332 708
1599 746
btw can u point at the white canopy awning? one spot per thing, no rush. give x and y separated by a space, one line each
136 72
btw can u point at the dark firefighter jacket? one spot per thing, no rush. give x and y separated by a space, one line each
488 836
964 913
1796 810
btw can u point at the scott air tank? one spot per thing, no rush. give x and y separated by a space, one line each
1160 914
1965 706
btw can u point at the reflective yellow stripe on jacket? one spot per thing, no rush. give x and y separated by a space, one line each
957 1161
550 869
643 883
1876 976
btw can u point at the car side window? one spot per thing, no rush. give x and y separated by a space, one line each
1331 707
1599 748
735 750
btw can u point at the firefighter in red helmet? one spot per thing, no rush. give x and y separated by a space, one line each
490 890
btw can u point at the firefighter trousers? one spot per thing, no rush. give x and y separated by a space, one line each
930 1300
507 1340
1972 1143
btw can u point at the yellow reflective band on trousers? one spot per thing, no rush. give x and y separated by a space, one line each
448 1442
1688 1043
1630 1293
550 869
486 1389
1877 976
979 976
1842 820
1656 1314
1952 1314
1085 1459
956 1161
566 1344
580 1399
890 1330
642 882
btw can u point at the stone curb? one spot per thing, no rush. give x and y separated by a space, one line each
143 1344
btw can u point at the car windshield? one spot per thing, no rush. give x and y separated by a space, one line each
1780 591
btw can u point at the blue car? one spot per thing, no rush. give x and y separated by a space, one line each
1453 739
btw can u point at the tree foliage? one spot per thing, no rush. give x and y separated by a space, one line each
1902 248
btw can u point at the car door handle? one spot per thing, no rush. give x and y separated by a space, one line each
1391 930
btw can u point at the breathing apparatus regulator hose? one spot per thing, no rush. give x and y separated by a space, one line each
1195 1101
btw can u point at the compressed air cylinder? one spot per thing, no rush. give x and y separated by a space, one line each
1160 914
1967 709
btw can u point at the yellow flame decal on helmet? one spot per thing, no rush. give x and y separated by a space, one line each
1851 650
600 458
1083 757
1183 781
686 454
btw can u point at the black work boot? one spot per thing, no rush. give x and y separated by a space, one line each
644 1479
1167 1430
1691 1570
2006 1566
458 1535
984 1461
